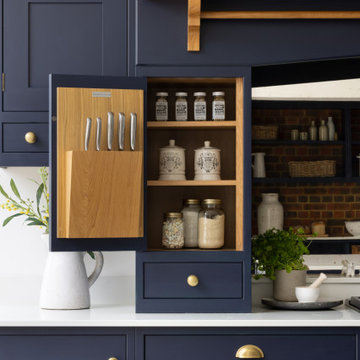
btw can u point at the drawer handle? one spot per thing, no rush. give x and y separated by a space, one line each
113 358
193 280
249 352
30 137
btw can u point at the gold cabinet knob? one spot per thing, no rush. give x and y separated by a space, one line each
193 280
249 352
113 358
30 137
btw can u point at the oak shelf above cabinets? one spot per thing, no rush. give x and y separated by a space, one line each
231 124
191 183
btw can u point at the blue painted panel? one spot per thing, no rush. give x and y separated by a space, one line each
52 36
216 280
14 138
162 35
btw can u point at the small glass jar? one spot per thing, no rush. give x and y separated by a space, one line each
211 225
181 106
173 230
161 106
200 106
190 213
218 105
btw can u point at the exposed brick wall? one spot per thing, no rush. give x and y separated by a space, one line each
308 202
305 203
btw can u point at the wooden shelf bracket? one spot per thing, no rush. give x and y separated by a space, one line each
195 15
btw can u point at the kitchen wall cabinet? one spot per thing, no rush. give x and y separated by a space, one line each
49 36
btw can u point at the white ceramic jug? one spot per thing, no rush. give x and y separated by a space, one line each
65 284
259 165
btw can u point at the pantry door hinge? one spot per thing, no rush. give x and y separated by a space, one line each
3 82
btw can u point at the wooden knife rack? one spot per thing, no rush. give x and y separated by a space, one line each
99 193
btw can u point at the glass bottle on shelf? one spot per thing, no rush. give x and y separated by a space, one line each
200 106
181 106
161 106
313 131
323 131
190 213
211 225
331 128
218 105
173 230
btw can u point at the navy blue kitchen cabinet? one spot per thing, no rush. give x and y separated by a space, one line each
50 36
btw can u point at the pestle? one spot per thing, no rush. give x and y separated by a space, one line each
318 281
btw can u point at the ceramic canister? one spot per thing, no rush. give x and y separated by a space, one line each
172 162
207 163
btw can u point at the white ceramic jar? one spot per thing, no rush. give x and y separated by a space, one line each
207 163
270 213
172 162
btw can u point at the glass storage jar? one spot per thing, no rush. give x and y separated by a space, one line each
200 106
161 106
190 213
173 230
211 225
218 105
181 106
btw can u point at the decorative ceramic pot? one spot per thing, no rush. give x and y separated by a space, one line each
285 283
270 213
172 162
65 285
259 165
207 163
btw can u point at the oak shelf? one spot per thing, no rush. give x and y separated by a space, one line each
230 124
191 183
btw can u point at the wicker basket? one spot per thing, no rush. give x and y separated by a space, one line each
325 168
264 132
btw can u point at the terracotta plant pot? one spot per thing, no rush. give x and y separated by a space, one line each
285 283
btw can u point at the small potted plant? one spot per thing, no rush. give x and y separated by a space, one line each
278 255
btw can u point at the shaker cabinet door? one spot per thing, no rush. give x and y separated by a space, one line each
59 36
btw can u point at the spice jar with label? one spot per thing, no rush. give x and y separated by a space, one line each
172 162
173 230
191 219
218 105
207 163
161 106
211 225
200 106
181 106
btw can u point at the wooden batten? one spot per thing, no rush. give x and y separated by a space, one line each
194 12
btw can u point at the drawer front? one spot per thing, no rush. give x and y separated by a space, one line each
14 137
216 280
275 347
69 347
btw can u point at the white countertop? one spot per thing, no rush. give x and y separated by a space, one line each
113 306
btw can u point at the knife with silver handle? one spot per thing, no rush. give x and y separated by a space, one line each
110 130
87 133
121 130
98 133
133 120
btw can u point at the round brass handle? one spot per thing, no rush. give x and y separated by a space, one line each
30 137
113 358
249 352
193 280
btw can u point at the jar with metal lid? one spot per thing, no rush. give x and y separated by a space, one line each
173 230
211 225
181 106
200 106
161 106
218 105
190 213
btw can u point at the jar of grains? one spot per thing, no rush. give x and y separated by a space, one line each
200 106
173 230
191 219
161 106
211 225
218 105
181 106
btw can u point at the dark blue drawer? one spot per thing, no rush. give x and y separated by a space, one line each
14 137
216 280
288 346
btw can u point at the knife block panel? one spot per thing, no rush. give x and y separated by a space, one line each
103 194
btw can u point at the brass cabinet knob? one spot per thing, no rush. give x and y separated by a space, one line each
249 352
113 358
30 137
192 280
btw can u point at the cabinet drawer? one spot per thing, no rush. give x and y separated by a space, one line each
216 280
275 347
14 137
60 347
